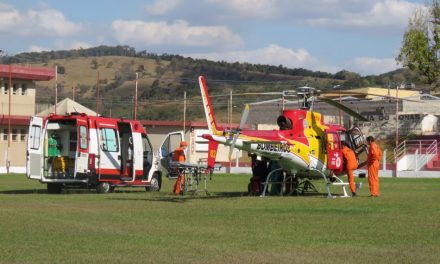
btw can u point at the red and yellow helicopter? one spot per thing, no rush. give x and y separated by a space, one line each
304 146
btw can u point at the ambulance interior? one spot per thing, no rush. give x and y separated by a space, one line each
60 147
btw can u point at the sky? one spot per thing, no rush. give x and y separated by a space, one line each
362 36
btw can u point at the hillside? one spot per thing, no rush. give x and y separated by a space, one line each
163 79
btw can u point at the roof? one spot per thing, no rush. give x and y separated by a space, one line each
375 92
15 120
27 73
67 106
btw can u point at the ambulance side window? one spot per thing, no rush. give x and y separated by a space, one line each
83 137
109 140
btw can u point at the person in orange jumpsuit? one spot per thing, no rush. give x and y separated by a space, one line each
351 164
179 156
373 160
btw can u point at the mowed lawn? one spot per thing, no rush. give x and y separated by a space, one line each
134 226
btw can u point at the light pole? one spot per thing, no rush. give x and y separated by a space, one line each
136 97
97 94
340 102
56 88
8 162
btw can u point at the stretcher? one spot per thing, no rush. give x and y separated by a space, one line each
193 174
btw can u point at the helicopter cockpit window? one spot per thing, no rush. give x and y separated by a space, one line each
284 123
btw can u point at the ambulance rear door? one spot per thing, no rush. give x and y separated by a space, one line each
82 148
35 148
170 143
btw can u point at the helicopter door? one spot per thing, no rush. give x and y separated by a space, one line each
334 153
171 142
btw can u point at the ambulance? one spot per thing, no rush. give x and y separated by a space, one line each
77 150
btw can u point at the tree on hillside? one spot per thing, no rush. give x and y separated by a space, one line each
421 44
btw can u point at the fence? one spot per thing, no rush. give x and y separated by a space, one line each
413 155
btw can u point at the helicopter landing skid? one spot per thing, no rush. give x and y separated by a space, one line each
337 182
307 185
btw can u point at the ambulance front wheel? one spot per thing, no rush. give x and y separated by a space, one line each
104 187
155 183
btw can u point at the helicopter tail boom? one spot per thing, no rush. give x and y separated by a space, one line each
209 112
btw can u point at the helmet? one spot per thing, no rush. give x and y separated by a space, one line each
183 144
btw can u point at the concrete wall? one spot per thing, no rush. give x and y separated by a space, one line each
17 150
22 99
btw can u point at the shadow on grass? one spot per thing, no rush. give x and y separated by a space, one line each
26 191
65 191
184 198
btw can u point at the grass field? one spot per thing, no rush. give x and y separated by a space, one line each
133 226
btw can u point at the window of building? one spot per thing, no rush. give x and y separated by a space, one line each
6 88
23 89
109 139
5 134
14 135
22 135
14 89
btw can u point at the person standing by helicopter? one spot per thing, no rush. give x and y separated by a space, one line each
351 165
373 160
179 156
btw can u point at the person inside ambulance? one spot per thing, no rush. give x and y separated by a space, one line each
179 156
54 153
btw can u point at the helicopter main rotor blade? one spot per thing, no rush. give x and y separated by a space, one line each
243 120
232 146
343 108
244 116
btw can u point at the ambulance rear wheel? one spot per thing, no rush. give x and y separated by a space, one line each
54 188
103 187
155 183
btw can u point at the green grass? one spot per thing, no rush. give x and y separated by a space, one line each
133 226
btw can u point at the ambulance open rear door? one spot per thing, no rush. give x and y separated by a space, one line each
35 148
171 142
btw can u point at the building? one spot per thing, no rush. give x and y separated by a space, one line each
17 104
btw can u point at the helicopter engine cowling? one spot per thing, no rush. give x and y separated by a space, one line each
284 122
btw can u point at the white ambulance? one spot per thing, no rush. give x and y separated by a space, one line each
76 150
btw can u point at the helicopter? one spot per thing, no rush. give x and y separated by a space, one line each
304 146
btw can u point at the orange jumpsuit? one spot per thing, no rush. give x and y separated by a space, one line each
179 156
374 156
351 166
